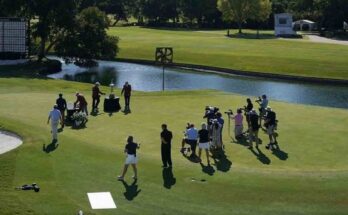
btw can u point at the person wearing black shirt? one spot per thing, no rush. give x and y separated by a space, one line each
126 91
96 96
166 139
254 129
131 151
61 103
270 123
247 109
203 136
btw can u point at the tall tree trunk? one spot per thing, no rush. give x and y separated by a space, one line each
42 50
240 27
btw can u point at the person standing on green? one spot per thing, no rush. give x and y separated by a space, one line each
61 103
166 141
126 91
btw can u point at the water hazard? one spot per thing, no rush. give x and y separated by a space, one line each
149 78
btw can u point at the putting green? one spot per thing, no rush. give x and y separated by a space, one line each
308 177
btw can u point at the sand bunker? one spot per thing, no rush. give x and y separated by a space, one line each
9 141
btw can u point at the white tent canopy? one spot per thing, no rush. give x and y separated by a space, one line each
310 25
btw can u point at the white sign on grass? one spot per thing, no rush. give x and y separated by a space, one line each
102 200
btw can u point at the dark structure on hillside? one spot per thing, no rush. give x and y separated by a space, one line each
14 38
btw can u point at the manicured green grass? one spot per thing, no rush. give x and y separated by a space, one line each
312 180
292 57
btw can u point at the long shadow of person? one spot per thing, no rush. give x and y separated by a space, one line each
241 141
221 161
131 190
260 156
50 148
280 154
168 177
208 169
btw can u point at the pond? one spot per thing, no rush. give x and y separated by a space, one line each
149 78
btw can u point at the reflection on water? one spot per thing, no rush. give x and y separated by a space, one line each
91 76
149 78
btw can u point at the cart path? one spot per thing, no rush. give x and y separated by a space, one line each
318 39
8 141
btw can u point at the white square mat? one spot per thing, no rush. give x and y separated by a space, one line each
102 200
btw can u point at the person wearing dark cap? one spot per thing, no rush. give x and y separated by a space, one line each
166 139
61 103
96 96
81 103
126 91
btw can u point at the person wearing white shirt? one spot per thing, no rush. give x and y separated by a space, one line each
55 117
191 136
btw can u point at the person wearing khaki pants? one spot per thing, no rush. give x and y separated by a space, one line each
55 117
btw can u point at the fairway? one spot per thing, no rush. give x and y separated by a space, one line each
309 175
297 57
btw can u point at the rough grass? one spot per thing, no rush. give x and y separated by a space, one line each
268 54
311 180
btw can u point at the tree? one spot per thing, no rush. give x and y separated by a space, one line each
120 9
54 18
261 12
199 10
88 39
10 8
334 13
240 11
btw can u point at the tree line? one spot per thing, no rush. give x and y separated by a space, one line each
77 28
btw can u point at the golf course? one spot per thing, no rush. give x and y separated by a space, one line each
297 57
173 107
307 176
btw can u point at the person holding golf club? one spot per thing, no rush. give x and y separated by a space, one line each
131 151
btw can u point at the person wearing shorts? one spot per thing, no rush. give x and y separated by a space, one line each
203 136
131 159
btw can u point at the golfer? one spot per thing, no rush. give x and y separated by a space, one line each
131 151
126 91
203 136
55 117
96 96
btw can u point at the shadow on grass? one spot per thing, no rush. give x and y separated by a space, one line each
126 112
208 169
241 141
171 28
252 36
260 156
168 177
221 161
50 147
280 154
131 190
96 113
193 158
